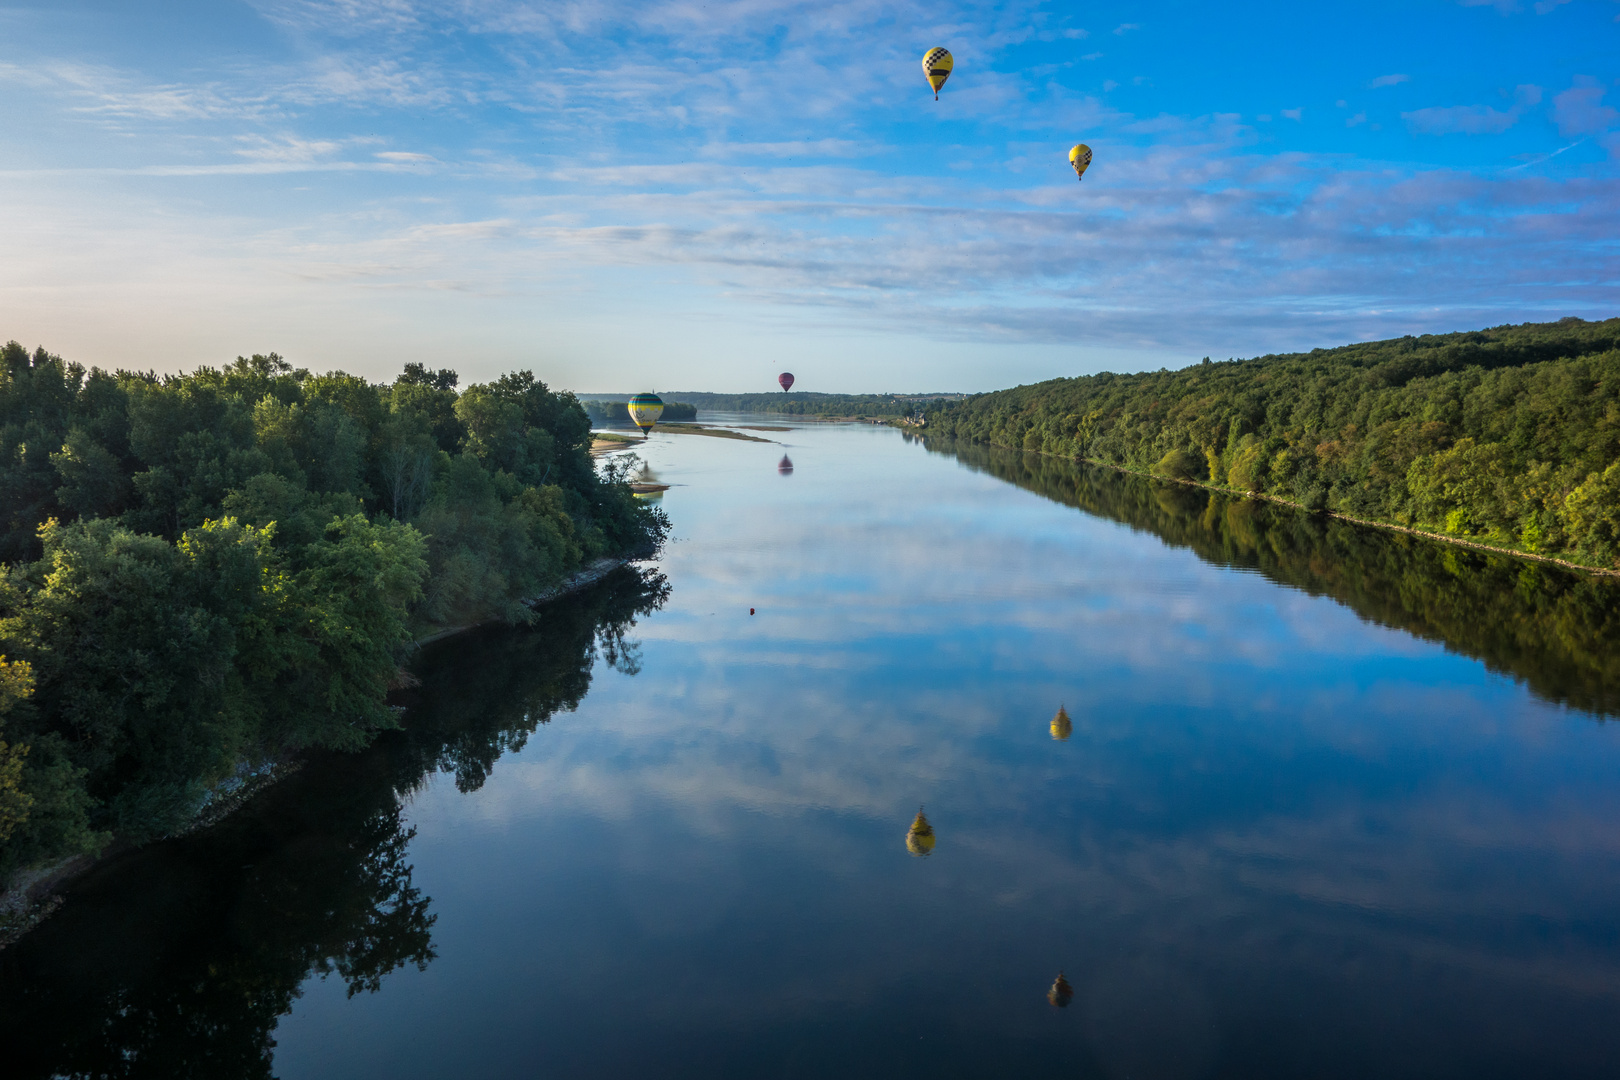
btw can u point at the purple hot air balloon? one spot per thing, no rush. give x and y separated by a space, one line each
786 379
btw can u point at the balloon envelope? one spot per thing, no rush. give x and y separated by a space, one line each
645 409
1080 158
937 65
785 466
786 379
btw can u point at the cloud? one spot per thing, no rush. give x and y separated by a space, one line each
1460 119
1388 80
1356 120
403 157
1504 7
1293 114
1580 109
1472 119
1125 28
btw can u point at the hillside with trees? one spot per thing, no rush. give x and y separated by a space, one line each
801 403
209 572
1508 437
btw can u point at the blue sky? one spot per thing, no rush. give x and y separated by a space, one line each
698 195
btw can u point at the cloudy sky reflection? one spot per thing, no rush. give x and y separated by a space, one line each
1277 832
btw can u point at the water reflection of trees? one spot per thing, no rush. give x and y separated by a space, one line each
1553 629
178 960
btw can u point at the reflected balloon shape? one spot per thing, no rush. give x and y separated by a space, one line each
785 466
920 837
1062 726
1061 993
786 381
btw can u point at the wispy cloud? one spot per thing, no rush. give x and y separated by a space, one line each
1125 28
1388 80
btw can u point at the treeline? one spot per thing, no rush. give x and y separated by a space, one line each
1508 436
1550 628
207 572
616 413
807 404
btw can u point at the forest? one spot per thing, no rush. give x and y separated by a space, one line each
1508 437
808 404
206 573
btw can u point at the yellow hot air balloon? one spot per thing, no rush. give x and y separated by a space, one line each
1080 158
937 65
1062 726
645 409
1061 993
920 837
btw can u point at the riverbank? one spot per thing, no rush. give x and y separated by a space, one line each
32 895
1466 542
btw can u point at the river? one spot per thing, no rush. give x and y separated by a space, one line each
1327 801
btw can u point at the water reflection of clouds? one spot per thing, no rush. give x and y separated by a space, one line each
1269 811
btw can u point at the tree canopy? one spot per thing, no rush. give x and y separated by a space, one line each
1508 436
209 570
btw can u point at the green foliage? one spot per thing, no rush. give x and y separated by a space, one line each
16 683
1506 436
790 404
208 570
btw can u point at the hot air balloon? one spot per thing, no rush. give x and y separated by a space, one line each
1062 726
645 409
920 837
1080 158
786 379
785 466
937 65
1061 993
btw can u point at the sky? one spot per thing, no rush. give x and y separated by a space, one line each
683 195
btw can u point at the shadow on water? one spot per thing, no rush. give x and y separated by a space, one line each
1555 630
177 960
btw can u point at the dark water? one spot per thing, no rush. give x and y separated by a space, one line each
1332 803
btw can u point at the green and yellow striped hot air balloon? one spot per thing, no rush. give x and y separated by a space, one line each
645 409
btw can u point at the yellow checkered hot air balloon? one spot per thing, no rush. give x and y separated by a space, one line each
1080 158
937 65
645 409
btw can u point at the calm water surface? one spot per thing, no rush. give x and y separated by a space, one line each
1334 803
